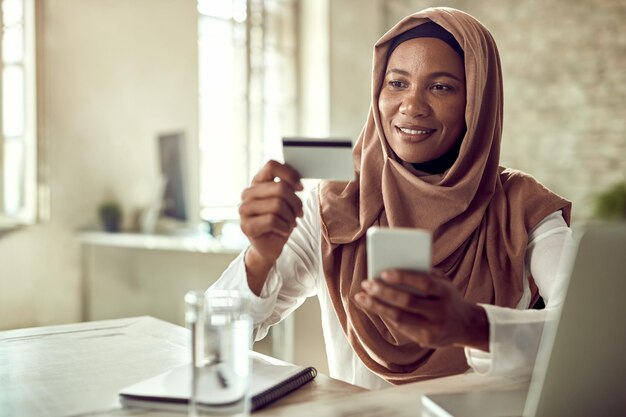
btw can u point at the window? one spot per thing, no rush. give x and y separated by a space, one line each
248 98
18 150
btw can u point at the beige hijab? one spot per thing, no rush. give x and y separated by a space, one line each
479 213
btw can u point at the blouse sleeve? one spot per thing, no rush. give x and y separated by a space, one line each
290 281
515 334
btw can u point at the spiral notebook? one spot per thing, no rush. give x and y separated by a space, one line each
272 379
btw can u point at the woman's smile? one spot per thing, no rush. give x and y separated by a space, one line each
414 132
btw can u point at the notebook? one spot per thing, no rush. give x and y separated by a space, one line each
272 379
581 369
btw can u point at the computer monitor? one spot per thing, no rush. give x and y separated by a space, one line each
172 157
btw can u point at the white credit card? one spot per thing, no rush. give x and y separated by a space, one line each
329 158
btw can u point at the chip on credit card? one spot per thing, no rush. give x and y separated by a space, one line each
327 158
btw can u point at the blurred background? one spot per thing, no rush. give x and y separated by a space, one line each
130 128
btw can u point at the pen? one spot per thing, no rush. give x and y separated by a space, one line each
222 379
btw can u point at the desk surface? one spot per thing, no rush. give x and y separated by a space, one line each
77 369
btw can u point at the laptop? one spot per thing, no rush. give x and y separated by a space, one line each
581 367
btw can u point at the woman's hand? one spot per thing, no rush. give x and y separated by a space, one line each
439 316
268 213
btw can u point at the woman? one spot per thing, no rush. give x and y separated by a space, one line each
428 158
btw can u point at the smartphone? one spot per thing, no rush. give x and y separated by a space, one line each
397 248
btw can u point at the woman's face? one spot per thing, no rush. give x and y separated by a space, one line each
422 99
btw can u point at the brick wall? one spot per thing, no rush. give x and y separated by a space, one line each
564 68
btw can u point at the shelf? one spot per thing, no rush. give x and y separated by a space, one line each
182 243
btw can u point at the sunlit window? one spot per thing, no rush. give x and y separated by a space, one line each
247 94
18 150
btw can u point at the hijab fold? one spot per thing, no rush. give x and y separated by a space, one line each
479 213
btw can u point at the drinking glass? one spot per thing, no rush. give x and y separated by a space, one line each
221 336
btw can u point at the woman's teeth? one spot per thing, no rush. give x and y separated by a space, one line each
414 132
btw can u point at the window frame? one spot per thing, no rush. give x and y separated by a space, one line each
266 44
30 207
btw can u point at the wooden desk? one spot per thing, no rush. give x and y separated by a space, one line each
399 401
77 369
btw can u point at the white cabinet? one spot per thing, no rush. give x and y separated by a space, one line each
125 275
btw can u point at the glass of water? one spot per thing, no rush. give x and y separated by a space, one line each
221 336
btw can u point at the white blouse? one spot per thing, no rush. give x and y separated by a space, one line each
514 332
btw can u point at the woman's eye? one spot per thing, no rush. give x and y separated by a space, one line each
442 87
396 84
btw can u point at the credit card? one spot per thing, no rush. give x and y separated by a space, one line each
327 158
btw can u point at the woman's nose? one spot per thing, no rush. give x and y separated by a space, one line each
415 105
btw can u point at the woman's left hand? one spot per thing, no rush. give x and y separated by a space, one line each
439 316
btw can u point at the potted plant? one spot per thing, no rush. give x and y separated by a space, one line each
110 215
610 205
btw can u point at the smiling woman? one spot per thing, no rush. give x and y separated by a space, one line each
427 158
18 153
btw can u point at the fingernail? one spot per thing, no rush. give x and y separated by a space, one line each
366 284
362 299
385 275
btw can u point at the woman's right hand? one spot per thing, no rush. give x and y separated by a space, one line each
268 213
